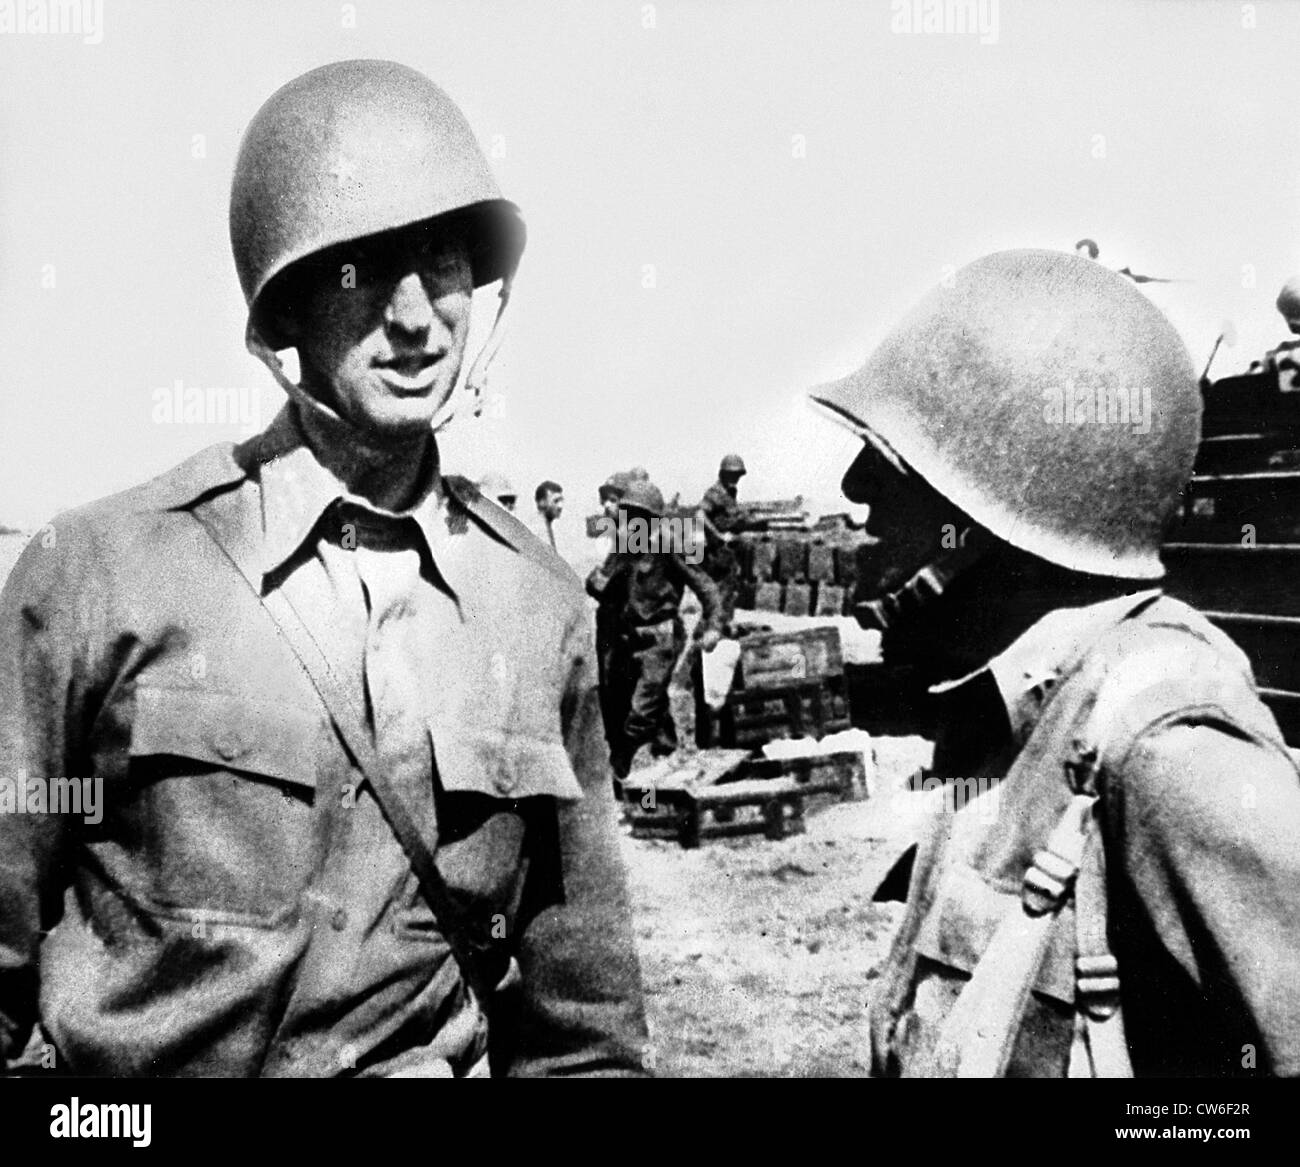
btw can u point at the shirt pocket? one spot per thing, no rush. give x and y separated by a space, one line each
959 928
491 792
222 789
951 941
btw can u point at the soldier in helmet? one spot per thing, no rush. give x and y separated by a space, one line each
1284 361
642 586
499 489
1106 886
721 517
356 815
609 601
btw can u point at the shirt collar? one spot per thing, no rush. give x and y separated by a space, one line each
1014 687
297 490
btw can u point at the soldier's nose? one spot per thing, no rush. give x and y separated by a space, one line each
861 479
409 310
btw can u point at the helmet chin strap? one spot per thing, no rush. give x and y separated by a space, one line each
473 383
477 378
920 590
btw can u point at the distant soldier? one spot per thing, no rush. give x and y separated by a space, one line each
1109 885
1284 361
609 602
645 583
549 497
722 517
499 489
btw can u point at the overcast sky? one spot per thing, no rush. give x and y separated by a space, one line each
727 203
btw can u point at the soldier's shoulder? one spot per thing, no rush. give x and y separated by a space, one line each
536 559
82 540
1172 666
212 468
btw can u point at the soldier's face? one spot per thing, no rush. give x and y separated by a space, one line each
381 333
552 505
913 522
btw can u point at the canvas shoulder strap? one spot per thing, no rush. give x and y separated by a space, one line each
978 1036
474 959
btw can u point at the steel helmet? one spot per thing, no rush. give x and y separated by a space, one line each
643 495
1046 397
615 486
353 149
495 485
732 463
1288 299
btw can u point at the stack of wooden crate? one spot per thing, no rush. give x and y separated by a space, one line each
1234 552
788 684
802 573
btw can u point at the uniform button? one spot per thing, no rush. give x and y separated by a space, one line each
339 920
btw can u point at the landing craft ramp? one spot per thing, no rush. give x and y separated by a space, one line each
1234 552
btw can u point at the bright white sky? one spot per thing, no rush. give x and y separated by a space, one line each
628 146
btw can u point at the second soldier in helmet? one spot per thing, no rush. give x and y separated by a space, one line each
1100 892
639 590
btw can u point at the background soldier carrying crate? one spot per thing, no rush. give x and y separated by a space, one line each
647 580
722 518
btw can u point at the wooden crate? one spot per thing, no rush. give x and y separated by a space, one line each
762 559
830 600
772 659
791 559
821 562
754 717
798 599
654 796
767 796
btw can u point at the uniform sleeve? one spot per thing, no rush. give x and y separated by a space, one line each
1207 820
600 578
45 615
722 511
702 586
583 1009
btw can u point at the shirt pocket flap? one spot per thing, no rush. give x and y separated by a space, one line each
226 731
960 927
505 767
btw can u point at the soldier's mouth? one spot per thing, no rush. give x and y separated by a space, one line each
413 374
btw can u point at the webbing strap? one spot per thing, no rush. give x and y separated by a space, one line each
1099 1049
280 614
979 1034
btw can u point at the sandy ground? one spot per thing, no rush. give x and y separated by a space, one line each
758 956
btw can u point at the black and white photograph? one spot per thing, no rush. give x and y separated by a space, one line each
592 538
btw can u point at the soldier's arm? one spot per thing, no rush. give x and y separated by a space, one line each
599 578
710 598
46 612
1207 822
583 1008
712 530
721 513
